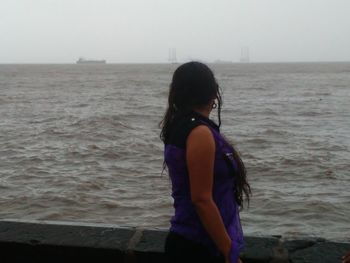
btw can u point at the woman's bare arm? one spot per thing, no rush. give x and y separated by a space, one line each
200 155
346 258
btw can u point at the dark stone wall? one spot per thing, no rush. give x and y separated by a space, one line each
53 241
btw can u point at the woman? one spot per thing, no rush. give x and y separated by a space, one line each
346 258
207 174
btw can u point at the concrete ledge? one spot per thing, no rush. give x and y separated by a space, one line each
55 241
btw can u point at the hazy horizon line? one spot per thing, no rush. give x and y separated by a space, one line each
179 62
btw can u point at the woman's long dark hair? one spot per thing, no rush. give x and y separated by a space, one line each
194 85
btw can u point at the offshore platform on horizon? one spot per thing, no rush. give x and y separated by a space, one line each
172 56
244 55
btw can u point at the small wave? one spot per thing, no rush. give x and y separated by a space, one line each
268 112
256 141
110 205
94 147
311 113
100 121
274 132
52 216
30 160
324 93
80 105
89 187
52 119
110 155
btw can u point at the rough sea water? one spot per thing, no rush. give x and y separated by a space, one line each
81 143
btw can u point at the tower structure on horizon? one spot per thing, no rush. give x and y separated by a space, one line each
172 56
245 55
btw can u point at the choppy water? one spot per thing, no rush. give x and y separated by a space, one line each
81 143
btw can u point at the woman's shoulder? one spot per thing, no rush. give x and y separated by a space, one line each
181 128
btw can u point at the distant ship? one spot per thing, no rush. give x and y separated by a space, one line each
90 61
219 61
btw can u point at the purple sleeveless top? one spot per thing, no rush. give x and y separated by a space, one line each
186 221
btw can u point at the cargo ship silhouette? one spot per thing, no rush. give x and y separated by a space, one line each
82 60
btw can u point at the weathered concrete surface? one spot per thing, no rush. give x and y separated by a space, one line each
50 241
150 247
322 252
259 249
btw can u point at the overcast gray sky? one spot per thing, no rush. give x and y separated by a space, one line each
50 31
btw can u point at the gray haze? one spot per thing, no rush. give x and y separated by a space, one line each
59 31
